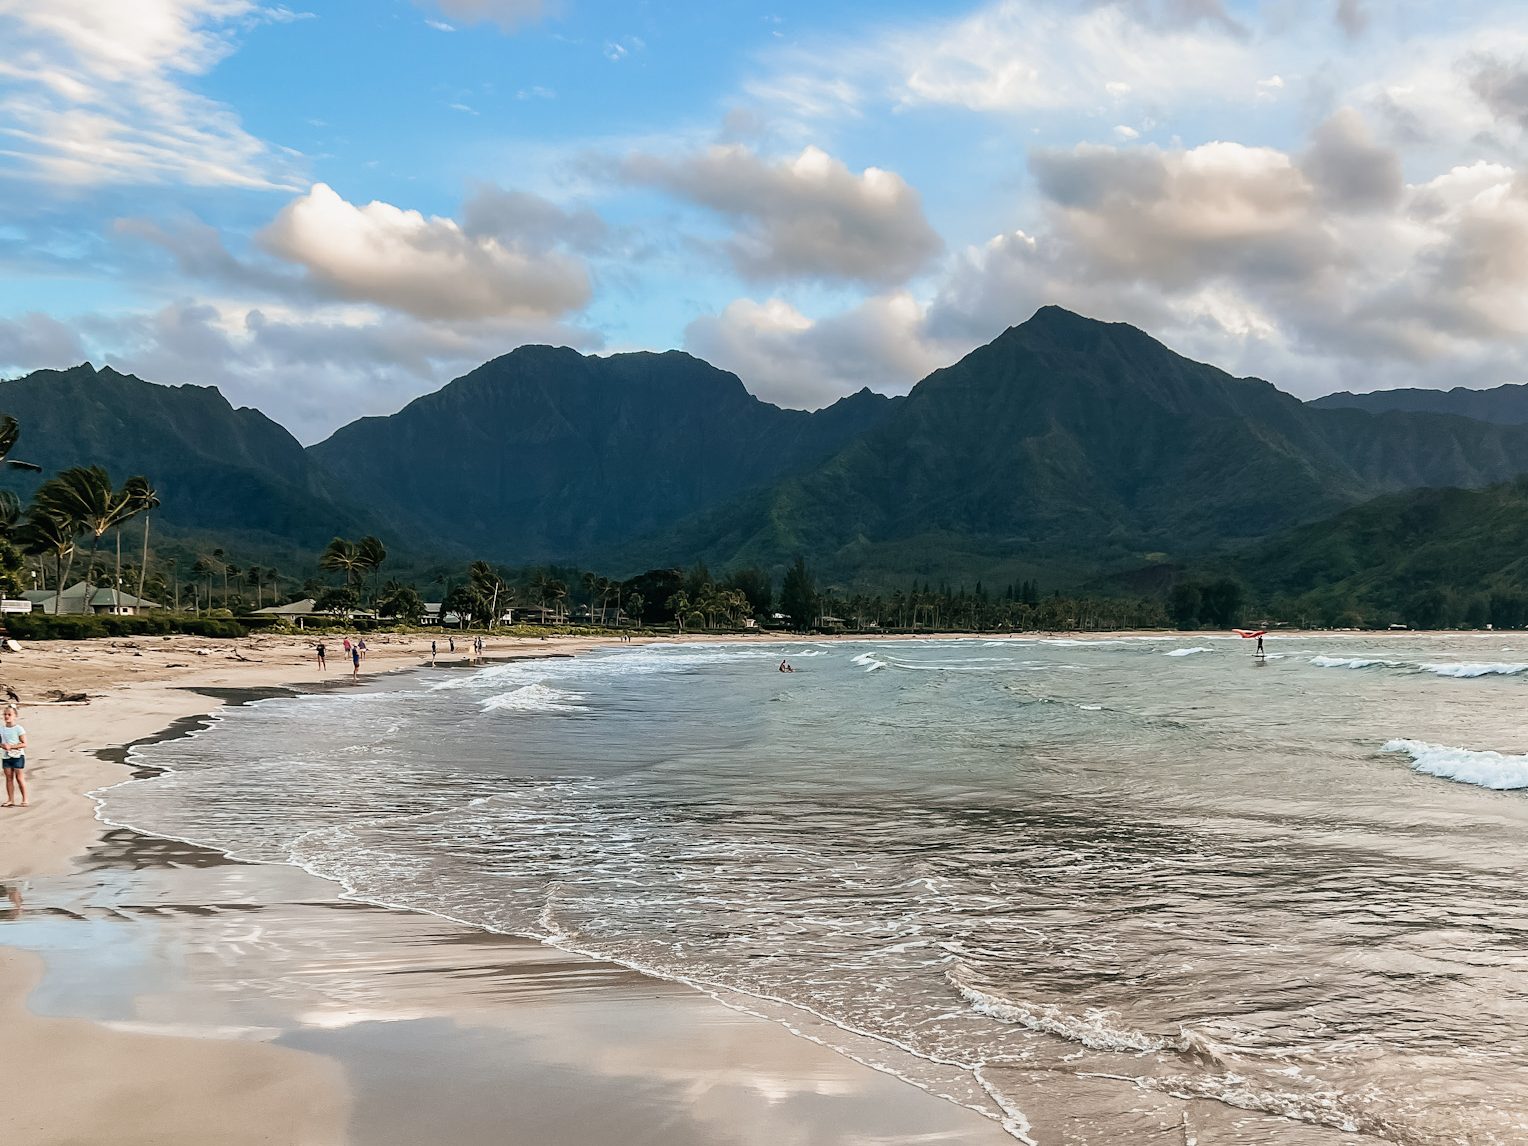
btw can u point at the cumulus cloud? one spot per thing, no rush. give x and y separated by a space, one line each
1502 86
35 341
1176 216
807 217
507 14
523 219
1349 169
430 267
792 360
97 94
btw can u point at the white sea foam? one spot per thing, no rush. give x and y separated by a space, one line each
1474 670
1186 652
1352 662
1093 1028
1495 770
536 698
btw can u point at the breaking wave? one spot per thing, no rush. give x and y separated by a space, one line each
536 698
1495 770
1186 652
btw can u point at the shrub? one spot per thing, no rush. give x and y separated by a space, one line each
43 627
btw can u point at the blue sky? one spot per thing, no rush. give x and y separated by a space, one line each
329 208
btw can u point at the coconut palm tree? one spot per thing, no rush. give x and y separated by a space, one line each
10 430
372 553
129 497
254 576
146 498
558 592
84 496
45 532
341 556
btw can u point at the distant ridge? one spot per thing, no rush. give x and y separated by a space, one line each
1504 405
1083 444
545 453
216 468
1064 449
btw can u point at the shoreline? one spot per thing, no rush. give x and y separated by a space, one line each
298 1084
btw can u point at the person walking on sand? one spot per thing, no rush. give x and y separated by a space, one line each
323 663
361 644
432 652
355 662
347 646
13 746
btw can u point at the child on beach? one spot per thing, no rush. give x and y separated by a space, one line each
13 746
323 664
355 662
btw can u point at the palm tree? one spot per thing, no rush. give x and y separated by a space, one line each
218 564
680 603
253 576
591 586
10 430
84 496
47 532
200 568
372 553
146 497
341 556
130 497
558 592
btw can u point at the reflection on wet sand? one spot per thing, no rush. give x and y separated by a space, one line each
445 1033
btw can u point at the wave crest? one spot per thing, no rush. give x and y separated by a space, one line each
1485 769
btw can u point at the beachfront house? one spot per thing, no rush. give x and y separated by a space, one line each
83 599
295 611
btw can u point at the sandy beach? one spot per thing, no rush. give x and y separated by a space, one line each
156 992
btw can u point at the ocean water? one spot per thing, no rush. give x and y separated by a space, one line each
1097 889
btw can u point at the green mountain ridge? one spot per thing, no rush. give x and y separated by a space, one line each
1076 444
218 470
545 453
1424 558
1504 405
1065 450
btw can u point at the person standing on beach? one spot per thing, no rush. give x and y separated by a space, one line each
451 641
361 644
432 652
355 662
347 646
13 746
323 664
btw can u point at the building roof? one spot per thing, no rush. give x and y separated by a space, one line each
302 608
100 598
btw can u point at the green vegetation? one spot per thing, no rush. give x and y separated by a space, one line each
1434 558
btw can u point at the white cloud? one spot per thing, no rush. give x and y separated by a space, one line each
424 266
787 358
35 341
93 93
507 14
807 217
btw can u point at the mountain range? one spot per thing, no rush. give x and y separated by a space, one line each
1063 448
1505 405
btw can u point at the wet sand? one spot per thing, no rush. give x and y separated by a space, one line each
157 992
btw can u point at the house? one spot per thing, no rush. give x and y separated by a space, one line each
299 611
81 598
307 610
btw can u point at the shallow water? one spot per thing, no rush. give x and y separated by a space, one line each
1130 881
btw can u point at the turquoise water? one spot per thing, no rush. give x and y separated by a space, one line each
1098 885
